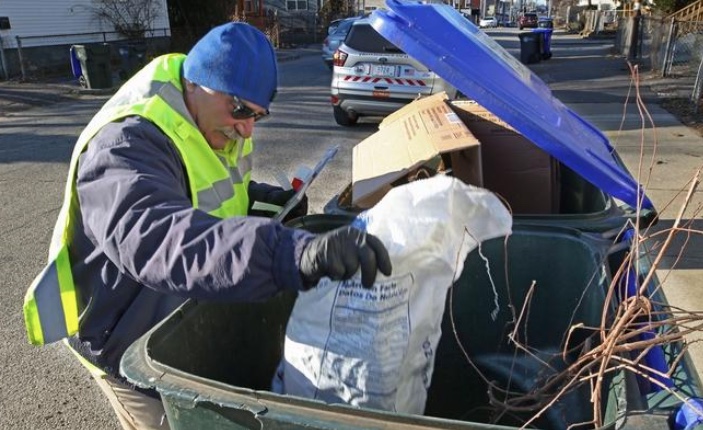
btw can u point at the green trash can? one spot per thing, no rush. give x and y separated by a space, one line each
213 363
95 65
132 57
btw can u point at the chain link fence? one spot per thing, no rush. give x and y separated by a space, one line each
669 48
49 55
300 29
284 30
685 52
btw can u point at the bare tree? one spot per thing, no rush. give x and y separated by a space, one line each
132 18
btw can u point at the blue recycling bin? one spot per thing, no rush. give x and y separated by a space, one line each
94 60
546 34
75 63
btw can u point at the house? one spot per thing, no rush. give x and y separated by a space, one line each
35 36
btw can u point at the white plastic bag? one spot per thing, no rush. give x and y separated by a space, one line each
375 347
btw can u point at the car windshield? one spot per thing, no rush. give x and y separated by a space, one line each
365 38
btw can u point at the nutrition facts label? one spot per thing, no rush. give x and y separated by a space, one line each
369 336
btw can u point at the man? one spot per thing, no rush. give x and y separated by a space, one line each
158 187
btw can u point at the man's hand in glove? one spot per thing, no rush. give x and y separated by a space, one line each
339 253
276 196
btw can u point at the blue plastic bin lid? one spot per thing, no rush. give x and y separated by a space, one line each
443 40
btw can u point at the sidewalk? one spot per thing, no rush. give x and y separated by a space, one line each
657 148
17 96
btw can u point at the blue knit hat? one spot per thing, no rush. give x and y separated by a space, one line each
235 59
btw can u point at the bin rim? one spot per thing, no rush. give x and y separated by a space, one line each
438 36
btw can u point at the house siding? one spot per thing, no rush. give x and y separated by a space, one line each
52 22
42 31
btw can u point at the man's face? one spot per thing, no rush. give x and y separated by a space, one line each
221 117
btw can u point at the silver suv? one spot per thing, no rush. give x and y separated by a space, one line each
335 38
373 77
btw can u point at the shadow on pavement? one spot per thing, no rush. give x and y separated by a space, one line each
686 242
29 147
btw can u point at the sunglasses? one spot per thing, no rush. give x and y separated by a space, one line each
242 111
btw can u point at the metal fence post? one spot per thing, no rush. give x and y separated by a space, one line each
672 49
636 40
669 53
19 53
3 61
697 88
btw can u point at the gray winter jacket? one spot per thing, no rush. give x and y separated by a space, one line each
141 248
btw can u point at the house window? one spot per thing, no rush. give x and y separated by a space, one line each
297 4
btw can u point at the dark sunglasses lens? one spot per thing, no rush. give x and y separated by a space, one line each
244 112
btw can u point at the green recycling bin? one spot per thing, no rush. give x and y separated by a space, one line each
132 57
95 65
213 363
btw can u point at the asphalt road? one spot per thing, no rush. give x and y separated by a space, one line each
45 388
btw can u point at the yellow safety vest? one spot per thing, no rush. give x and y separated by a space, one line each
218 182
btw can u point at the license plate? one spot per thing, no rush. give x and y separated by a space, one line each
383 71
381 94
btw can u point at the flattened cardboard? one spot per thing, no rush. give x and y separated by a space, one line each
407 139
513 167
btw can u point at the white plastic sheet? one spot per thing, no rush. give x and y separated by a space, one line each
375 347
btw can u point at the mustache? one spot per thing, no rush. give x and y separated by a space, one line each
230 133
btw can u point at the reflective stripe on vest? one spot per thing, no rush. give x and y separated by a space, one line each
218 182
43 321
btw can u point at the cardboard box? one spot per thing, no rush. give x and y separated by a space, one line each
407 139
482 150
525 176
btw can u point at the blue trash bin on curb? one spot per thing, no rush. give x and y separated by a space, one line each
75 63
546 48
94 61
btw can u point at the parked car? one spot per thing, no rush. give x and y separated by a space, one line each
488 22
527 20
505 22
332 41
373 77
333 25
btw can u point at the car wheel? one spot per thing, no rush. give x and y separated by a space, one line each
344 119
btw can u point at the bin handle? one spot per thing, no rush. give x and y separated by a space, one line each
647 218
242 417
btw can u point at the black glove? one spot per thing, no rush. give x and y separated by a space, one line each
339 253
273 195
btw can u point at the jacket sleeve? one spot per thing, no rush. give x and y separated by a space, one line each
136 209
